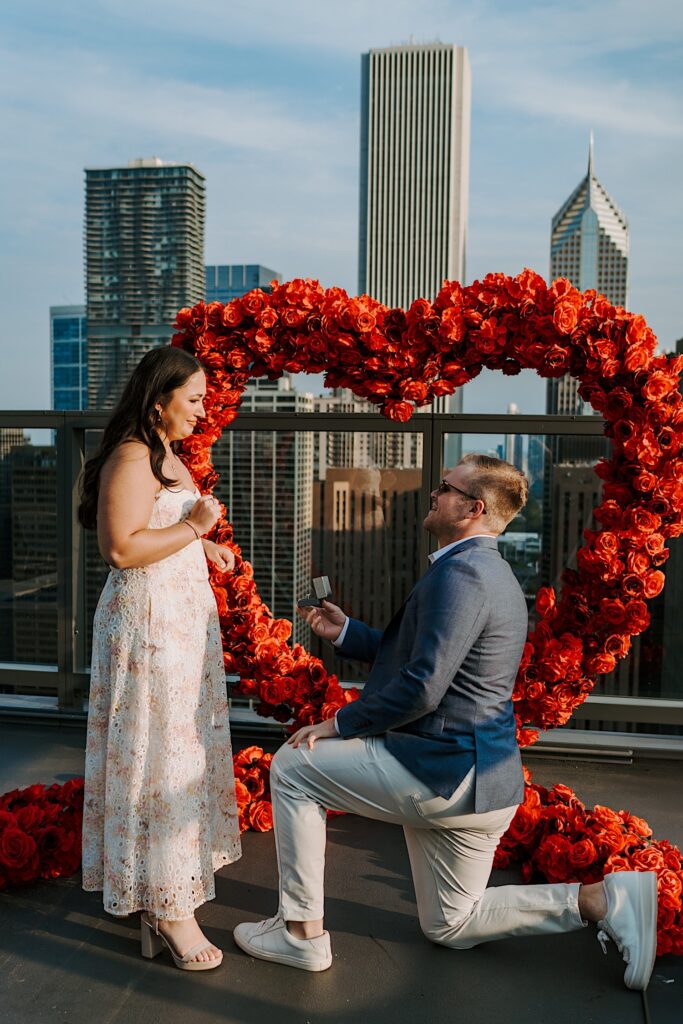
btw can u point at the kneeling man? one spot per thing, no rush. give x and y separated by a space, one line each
431 745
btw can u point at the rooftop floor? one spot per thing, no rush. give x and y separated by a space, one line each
63 958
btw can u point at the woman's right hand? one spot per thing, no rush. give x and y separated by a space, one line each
204 513
326 621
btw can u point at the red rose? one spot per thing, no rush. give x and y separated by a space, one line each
637 825
524 826
582 854
248 757
670 885
261 815
565 316
609 841
281 629
552 858
654 583
233 313
658 386
618 646
242 794
254 782
600 664
545 601
398 411
29 817
649 858
637 562
18 855
452 324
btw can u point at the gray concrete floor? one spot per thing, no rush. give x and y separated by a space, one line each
63 959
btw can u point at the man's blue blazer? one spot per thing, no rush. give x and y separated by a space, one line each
442 674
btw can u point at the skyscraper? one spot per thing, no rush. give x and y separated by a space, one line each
414 170
266 482
144 253
229 281
69 357
589 246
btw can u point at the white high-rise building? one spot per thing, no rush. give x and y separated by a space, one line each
414 170
589 246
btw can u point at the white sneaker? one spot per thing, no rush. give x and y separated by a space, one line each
270 940
631 921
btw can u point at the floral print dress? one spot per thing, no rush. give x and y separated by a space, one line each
160 814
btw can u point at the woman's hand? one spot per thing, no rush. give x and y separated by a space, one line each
326 621
326 730
219 554
204 513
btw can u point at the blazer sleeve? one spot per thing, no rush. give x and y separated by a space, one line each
361 643
451 609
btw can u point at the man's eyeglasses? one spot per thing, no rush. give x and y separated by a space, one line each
444 487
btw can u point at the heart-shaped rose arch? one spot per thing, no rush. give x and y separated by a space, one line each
402 359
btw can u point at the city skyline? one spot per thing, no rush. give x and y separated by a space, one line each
271 114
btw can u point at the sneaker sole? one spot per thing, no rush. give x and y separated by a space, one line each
281 958
647 910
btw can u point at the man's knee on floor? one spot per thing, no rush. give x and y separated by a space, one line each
446 933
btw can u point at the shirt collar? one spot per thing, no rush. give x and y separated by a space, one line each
449 547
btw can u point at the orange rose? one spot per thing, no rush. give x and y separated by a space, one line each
582 854
649 858
242 794
565 317
658 386
654 583
545 601
248 756
233 313
261 815
398 411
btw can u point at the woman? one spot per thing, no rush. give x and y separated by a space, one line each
160 814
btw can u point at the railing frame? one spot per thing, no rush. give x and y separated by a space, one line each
72 682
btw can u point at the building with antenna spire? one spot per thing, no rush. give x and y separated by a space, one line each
589 246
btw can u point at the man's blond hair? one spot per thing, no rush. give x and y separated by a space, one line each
501 486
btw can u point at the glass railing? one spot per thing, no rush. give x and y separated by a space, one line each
313 494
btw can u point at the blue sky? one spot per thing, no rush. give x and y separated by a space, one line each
263 99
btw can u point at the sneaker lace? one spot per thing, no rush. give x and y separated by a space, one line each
265 926
604 936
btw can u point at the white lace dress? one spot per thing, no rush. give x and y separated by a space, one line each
160 814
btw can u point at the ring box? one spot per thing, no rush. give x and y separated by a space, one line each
322 591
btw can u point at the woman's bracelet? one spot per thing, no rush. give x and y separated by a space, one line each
188 523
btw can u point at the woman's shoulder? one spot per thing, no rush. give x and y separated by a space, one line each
131 449
130 459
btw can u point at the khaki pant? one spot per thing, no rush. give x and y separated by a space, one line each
450 847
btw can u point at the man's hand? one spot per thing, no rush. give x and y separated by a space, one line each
310 733
220 554
326 621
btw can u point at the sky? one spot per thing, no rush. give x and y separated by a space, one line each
264 99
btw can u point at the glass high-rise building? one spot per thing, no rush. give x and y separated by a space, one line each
414 170
589 246
230 281
144 260
69 357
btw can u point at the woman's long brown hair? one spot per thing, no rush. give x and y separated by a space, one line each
158 374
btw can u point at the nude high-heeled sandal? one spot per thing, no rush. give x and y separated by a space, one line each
152 943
